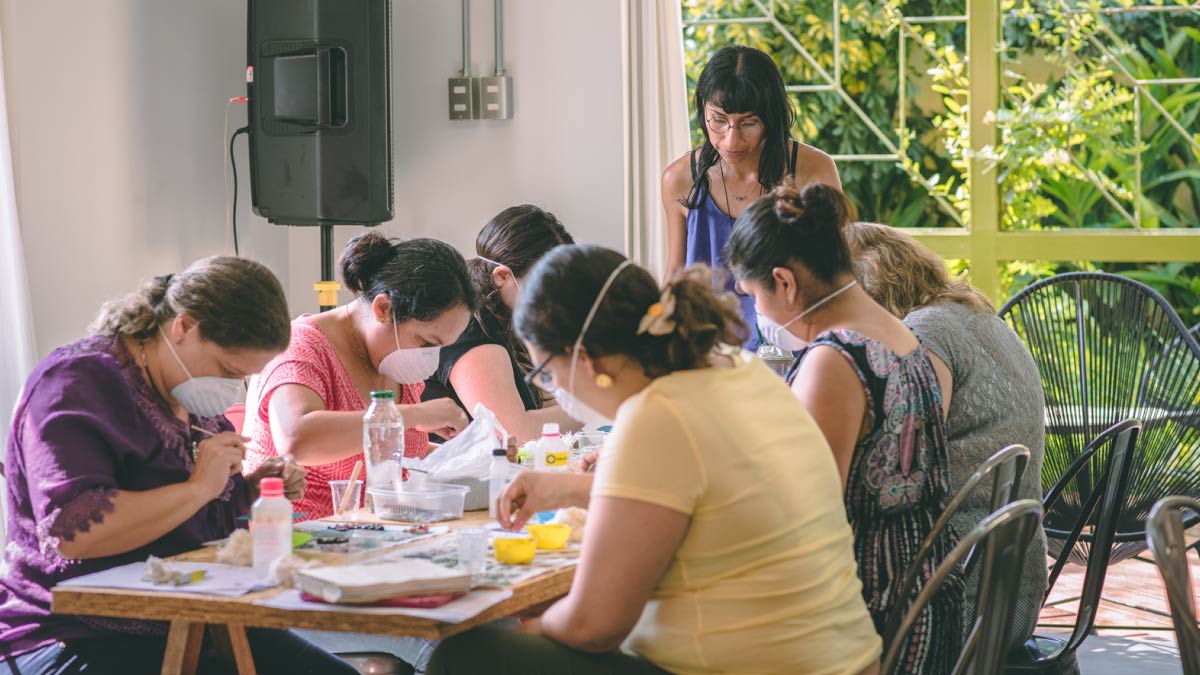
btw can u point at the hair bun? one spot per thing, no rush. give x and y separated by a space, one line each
813 209
789 204
364 257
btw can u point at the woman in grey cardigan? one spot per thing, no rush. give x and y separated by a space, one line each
996 393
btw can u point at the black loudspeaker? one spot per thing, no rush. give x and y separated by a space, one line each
320 111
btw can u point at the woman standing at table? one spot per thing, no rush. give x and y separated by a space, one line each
105 465
716 540
871 387
743 110
411 298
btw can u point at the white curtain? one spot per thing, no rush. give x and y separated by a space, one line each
656 120
17 351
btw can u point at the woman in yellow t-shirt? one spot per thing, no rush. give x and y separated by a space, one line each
716 538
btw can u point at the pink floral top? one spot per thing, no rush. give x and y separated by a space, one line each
310 360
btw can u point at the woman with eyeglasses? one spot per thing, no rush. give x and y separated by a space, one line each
743 110
411 298
716 539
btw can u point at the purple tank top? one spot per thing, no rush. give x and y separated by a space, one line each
708 229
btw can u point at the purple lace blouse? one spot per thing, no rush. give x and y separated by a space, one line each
86 426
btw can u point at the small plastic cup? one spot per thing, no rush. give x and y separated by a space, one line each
337 489
472 549
585 442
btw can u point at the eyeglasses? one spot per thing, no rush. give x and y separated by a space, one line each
721 125
541 378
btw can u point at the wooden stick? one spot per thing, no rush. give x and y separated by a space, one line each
204 431
350 487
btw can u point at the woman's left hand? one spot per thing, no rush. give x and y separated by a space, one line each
295 478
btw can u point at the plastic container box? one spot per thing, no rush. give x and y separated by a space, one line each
429 503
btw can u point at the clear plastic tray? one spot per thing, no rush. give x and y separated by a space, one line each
428 503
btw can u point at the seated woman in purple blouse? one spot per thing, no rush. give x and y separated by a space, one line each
104 468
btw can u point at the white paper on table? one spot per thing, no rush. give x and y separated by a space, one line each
228 581
462 609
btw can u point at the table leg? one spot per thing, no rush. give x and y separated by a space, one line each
183 648
233 647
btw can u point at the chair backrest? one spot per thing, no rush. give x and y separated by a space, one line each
1109 348
1105 465
1006 468
1002 538
1165 536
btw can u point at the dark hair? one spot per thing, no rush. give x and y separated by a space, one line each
422 277
517 237
742 79
792 225
238 303
560 291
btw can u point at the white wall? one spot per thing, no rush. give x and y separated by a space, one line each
562 150
116 112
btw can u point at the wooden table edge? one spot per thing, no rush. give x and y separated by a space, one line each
126 604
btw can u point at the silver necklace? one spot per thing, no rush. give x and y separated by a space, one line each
725 186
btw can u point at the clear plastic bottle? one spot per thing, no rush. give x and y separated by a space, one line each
383 442
270 525
551 452
500 474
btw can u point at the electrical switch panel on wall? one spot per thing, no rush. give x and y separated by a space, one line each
473 98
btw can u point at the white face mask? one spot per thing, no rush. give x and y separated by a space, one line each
778 334
204 396
577 409
410 366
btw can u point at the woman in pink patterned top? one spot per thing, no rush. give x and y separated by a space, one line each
411 297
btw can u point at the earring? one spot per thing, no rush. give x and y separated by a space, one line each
604 381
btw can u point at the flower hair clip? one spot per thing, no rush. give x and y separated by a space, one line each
659 318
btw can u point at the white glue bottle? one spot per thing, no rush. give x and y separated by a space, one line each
270 526
551 451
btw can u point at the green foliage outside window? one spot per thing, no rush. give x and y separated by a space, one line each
1066 156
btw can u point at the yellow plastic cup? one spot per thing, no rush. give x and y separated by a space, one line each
514 550
550 536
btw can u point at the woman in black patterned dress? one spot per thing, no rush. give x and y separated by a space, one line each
872 389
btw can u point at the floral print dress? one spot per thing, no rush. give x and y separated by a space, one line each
897 488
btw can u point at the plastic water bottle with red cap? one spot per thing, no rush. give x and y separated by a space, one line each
270 525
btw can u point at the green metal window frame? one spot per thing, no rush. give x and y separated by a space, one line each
983 244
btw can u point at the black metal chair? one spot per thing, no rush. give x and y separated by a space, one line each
1006 468
1110 348
1165 536
1101 476
1000 541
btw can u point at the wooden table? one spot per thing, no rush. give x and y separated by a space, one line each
227 618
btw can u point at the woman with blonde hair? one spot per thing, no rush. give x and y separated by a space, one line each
996 394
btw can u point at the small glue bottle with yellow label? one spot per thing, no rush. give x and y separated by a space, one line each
551 451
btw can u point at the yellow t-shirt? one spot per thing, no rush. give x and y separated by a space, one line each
765 580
